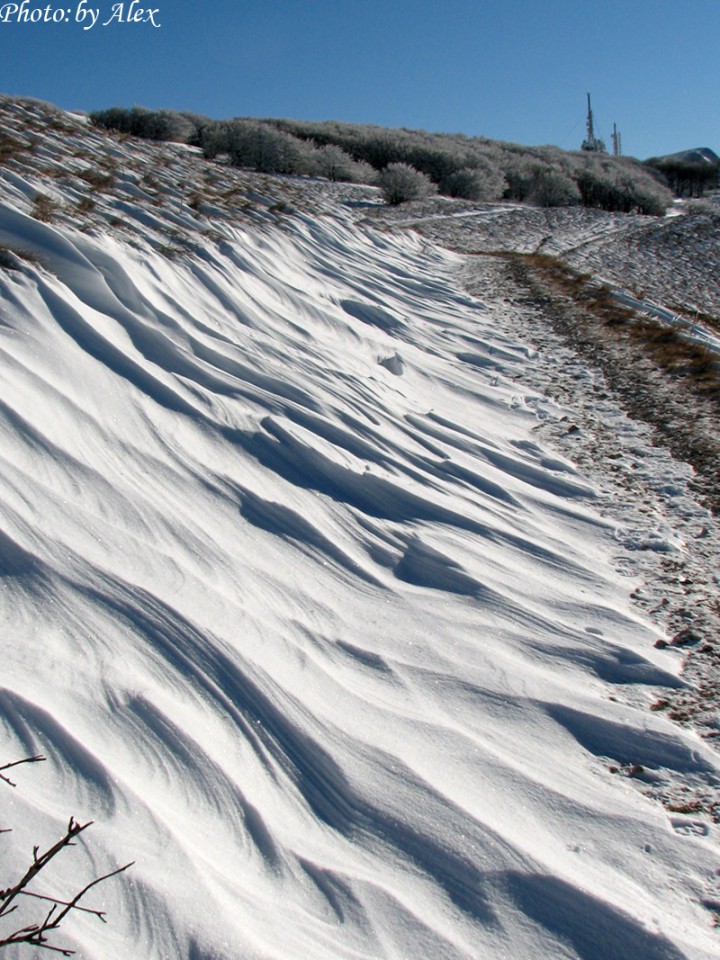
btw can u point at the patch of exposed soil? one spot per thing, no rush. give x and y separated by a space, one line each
659 377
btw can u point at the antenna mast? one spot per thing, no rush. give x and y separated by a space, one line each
590 131
592 144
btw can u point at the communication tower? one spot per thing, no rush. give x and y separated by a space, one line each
591 143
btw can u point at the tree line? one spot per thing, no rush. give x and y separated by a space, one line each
408 163
688 176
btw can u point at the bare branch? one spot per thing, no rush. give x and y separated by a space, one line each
39 863
35 934
62 903
73 904
16 763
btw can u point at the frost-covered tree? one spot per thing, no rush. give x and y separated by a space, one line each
688 176
149 124
399 182
483 181
336 164
551 187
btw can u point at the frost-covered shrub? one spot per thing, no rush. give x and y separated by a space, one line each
114 118
363 173
550 187
651 199
399 182
613 184
704 208
519 174
472 168
380 147
197 123
149 124
215 138
334 163
163 125
257 146
481 182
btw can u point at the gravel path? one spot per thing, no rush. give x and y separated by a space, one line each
668 541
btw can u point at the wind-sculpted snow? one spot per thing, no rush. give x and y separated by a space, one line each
307 620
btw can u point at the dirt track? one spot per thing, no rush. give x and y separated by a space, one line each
653 451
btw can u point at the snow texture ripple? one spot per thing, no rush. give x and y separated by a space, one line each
310 624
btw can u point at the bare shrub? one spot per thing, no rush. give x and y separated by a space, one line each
53 911
11 258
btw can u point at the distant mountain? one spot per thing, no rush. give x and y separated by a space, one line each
689 173
699 155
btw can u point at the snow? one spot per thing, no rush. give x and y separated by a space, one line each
311 618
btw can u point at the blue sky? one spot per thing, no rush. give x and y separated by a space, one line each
513 70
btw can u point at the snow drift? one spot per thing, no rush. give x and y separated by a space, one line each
309 622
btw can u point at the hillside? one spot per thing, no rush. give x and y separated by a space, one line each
454 165
338 588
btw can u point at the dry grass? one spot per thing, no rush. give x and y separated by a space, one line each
8 259
10 147
44 208
97 179
11 258
85 205
668 346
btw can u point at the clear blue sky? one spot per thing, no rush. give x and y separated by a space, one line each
513 70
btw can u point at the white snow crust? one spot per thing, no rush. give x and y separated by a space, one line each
307 619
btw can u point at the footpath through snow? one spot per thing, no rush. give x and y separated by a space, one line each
302 601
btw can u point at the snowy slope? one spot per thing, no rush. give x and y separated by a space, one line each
672 260
309 622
